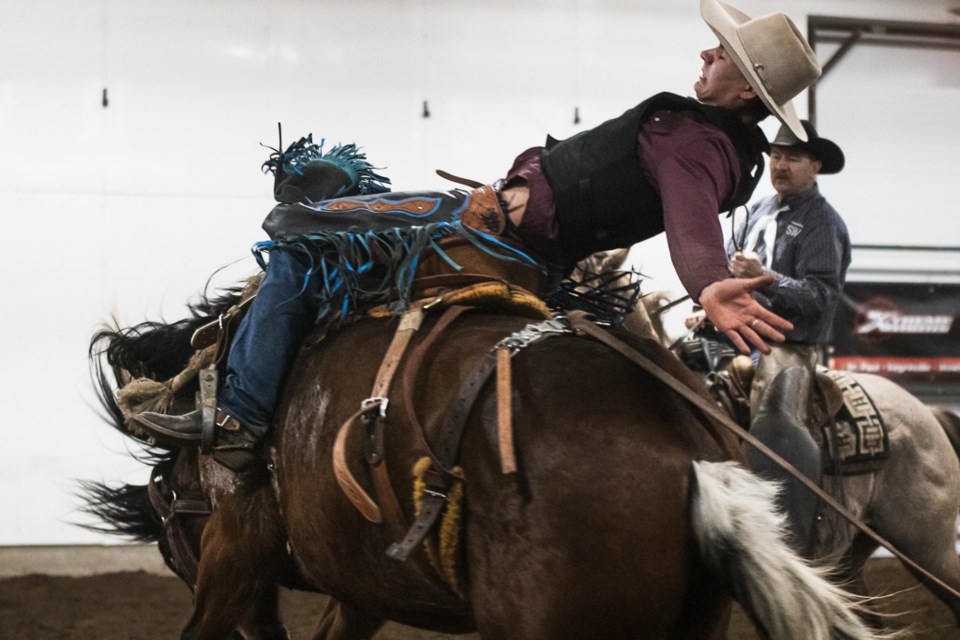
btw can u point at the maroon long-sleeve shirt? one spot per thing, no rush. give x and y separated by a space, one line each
691 164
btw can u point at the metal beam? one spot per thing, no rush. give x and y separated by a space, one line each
849 32
838 55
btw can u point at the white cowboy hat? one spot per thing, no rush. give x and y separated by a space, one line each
770 52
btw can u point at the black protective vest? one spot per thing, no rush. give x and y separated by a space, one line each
603 200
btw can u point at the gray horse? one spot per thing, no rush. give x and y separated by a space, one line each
912 500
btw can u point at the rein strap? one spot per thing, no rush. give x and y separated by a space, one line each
171 513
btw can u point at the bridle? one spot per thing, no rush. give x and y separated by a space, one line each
173 511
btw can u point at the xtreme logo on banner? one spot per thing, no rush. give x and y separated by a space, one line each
899 330
878 316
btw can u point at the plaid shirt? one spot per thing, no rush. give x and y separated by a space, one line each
810 259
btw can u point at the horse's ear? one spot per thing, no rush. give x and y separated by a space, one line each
615 259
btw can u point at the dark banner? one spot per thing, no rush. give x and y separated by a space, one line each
904 331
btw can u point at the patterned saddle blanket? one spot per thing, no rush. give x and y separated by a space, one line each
845 422
856 440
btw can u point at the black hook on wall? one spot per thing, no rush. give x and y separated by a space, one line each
426 109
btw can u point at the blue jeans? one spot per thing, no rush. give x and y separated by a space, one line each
267 341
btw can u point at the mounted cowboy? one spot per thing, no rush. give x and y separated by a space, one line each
669 164
800 240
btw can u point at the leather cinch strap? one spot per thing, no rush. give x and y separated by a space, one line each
373 411
440 478
508 456
580 323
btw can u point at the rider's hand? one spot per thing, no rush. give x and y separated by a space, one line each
746 264
731 308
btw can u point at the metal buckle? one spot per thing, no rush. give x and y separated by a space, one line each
532 333
373 402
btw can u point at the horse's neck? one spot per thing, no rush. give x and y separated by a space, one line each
639 324
645 321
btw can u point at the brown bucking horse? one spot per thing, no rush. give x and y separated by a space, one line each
629 514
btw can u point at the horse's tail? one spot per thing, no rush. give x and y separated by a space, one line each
742 538
950 422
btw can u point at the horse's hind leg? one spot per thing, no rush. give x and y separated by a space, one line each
850 575
929 539
943 562
242 550
341 622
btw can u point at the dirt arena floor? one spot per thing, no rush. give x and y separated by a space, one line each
143 606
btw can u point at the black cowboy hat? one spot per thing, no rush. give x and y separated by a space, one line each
826 151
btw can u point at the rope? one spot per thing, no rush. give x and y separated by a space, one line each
144 394
446 559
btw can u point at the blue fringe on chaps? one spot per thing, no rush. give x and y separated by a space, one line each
326 258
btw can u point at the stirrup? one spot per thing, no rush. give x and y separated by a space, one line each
208 407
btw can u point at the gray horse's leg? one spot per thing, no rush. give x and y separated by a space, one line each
850 574
917 498
341 622
932 547
938 555
950 600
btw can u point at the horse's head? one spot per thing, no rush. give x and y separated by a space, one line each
601 262
171 508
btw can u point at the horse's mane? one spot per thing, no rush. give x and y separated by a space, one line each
158 350
122 510
155 350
